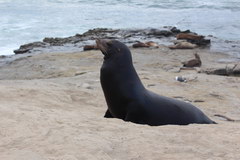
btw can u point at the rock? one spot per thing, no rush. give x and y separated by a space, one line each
219 71
202 43
193 62
100 31
106 33
160 33
62 41
21 51
127 36
186 31
27 47
175 30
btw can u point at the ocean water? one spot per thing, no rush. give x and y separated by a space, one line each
31 20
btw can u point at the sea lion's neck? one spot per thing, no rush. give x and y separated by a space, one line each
121 86
120 76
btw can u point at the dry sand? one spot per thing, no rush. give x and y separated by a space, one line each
52 107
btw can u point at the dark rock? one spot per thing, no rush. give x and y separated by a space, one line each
160 33
175 30
203 42
221 71
21 51
186 31
51 41
218 71
128 36
61 41
100 33
27 47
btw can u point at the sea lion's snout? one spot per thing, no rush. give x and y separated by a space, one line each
102 45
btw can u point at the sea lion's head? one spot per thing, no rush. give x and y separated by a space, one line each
197 56
113 49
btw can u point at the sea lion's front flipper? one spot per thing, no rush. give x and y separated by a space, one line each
108 114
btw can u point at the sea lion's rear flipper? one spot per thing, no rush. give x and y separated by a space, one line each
108 114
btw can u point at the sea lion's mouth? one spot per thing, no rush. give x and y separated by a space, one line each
102 45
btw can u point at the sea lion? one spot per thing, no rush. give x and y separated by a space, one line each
199 40
193 62
146 45
152 44
182 45
189 36
127 98
140 45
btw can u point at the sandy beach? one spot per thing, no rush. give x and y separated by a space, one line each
52 108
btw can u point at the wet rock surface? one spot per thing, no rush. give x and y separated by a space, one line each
128 36
30 46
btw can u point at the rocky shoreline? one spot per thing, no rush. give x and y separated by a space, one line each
127 36
149 37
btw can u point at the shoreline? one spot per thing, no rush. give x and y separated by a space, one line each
162 36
